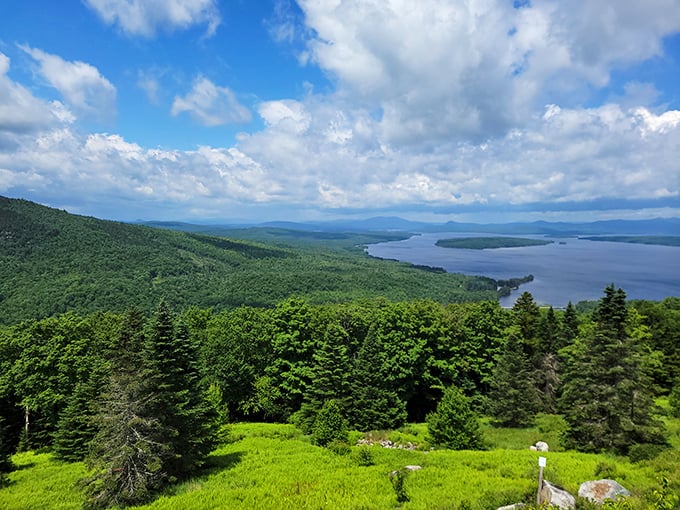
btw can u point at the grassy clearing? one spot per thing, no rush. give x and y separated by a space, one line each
274 467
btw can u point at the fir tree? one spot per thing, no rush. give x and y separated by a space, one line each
569 325
130 448
454 425
180 403
76 426
607 395
330 376
514 397
375 403
329 425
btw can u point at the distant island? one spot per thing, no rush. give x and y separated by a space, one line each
484 243
659 240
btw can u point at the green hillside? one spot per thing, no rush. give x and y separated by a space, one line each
52 261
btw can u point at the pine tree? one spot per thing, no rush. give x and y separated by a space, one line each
454 425
607 395
76 427
375 404
514 397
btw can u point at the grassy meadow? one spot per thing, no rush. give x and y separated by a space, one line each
273 466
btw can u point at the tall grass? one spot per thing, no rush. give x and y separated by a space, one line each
266 466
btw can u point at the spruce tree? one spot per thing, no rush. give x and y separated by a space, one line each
607 397
76 427
329 425
180 403
330 376
130 449
514 397
375 403
454 425
570 325
5 461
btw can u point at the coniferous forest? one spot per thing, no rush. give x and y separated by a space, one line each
142 395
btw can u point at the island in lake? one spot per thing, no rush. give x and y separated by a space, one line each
484 243
658 240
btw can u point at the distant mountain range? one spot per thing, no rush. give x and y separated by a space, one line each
657 226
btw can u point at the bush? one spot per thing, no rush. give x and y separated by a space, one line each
674 400
329 425
364 456
640 452
454 425
339 447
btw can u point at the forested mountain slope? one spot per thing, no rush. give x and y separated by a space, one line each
52 261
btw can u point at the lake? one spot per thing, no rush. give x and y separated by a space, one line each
569 269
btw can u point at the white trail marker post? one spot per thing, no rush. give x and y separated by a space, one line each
541 464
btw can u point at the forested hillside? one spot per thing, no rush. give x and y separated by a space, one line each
52 261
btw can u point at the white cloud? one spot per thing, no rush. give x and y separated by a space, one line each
22 112
147 17
441 70
211 105
81 85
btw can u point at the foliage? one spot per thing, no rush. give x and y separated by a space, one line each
397 479
454 425
514 397
52 261
674 400
607 394
329 425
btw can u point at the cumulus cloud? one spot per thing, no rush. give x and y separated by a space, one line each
147 17
439 70
211 105
20 111
81 85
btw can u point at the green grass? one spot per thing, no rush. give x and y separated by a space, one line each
268 466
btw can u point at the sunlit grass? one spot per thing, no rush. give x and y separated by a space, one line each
266 466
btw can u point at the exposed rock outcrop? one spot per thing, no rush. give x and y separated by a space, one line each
601 490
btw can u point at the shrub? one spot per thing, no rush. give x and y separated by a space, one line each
329 425
364 456
454 425
674 400
339 447
639 452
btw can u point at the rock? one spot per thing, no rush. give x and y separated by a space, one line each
541 446
533 448
601 490
555 496
516 506
413 468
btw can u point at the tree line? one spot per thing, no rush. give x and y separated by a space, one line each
83 385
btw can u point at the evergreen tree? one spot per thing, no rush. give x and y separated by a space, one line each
607 395
130 448
375 403
329 425
454 425
180 403
549 332
76 426
569 325
514 397
5 461
330 376
674 400
526 315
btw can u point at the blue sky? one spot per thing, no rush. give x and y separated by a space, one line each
206 110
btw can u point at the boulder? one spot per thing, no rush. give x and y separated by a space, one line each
601 490
541 446
413 468
555 496
516 506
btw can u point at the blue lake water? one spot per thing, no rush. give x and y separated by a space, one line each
569 269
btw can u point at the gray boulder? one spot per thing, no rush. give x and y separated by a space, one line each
541 446
556 496
601 490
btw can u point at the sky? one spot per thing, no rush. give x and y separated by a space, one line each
259 110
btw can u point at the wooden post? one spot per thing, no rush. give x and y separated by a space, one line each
541 465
